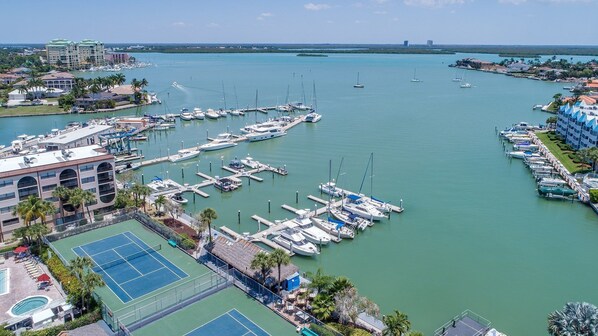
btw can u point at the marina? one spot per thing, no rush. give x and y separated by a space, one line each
442 172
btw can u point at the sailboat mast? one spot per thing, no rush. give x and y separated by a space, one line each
236 98
256 106
365 174
315 103
372 176
224 95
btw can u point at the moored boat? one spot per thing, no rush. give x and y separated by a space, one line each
184 154
311 232
224 140
334 227
293 240
265 135
178 198
350 219
363 209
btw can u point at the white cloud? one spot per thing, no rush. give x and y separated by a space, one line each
512 2
519 2
316 7
380 2
380 12
264 15
433 3
179 24
357 5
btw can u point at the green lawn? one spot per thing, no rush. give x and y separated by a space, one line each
552 146
20 111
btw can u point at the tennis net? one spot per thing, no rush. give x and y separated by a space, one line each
124 259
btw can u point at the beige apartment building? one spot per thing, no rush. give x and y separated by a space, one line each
74 55
89 168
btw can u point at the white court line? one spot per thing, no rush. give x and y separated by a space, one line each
210 321
142 275
99 240
127 293
136 270
247 319
156 258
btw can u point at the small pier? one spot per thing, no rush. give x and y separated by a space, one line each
262 220
231 232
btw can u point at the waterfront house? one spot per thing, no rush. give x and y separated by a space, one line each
6 79
89 167
59 80
518 67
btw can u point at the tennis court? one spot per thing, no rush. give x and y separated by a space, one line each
231 323
129 267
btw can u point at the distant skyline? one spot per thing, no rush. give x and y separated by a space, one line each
535 22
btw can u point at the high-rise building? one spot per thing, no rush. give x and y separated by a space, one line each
73 55
405 43
62 52
430 43
91 52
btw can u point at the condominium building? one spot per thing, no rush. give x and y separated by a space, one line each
73 55
89 168
578 124
63 52
91 52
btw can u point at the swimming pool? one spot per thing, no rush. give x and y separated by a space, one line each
29 304
3 281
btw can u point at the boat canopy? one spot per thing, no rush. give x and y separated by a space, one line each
376 199
339 224
156 178
353 197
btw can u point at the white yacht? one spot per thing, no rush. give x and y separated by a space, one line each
198 114
552 182
330 188
312 233
465 86
334 227
223 140
523 154
184 154
264 126
187 116
355 205
250 162
292 239
299 106
222 113
526 146
211 114
270 134
350 219
237 112
313 117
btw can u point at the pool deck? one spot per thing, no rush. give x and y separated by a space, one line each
21 285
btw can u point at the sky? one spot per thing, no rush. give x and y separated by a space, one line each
536 22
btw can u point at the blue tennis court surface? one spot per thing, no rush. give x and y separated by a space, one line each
231 323
128 266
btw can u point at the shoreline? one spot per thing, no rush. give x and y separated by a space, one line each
116 109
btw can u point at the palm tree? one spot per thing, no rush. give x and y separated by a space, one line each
33 208
320 281
37 231
62 193
87 198
78 266
201 226
35 84
339 284
159 202
262 262
90 282
119 78
280 257
206 217
144 191
576 318
396 324
323 306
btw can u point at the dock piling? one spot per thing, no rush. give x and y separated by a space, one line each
297 196
239 216
193 198
142 179
268 206
210 166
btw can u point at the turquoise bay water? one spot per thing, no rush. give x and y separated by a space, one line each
474 234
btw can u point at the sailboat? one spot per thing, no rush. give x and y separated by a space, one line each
357 85
415 79
312 116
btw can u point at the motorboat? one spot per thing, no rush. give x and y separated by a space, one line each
299 106
222 113
526 147
126 167
237 112
311 232
355 205
224 140
313 117
350 219
334 227
293 240
198 114
250 162
236 164
187 116
523 154
184 154
552 182
259 136
211 114
465 86
178 198
264 126
138 138
227 184
330 188
556 191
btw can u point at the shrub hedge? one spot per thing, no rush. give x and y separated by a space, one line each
70 283
84 320
594 195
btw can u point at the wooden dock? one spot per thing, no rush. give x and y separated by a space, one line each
262 220
231 233
289 208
